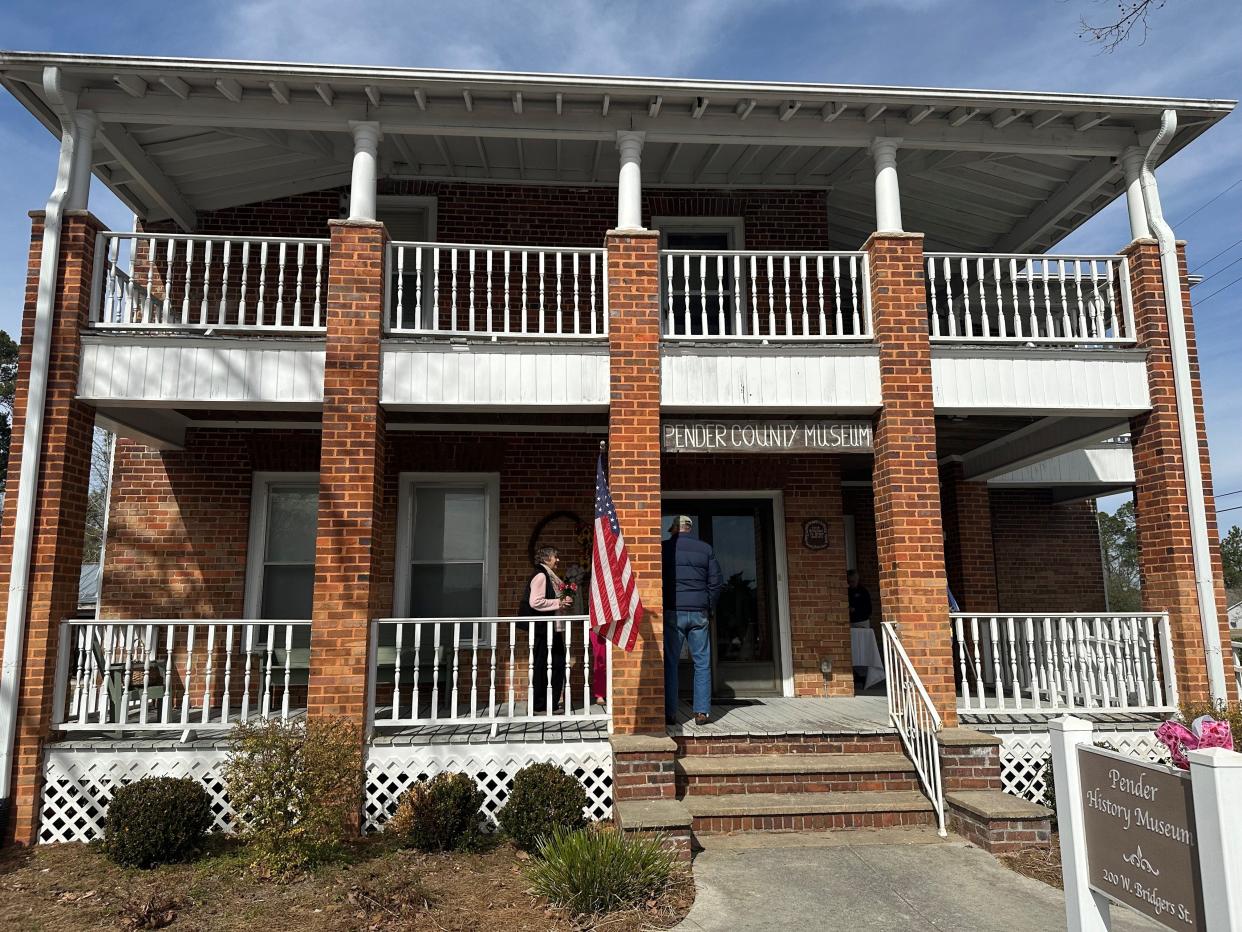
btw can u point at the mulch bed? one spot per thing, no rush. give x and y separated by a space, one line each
378 889
1042 864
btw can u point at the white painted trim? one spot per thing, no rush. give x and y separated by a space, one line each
261 484
406 482
780 552
503 428
396 203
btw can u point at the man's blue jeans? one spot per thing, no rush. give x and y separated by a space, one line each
692 627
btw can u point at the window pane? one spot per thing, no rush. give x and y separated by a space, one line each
287 591
446 591
292 515
449 524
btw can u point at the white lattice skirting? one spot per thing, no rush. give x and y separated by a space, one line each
1023 755
393 770
78 782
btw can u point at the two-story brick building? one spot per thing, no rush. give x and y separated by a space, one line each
369 332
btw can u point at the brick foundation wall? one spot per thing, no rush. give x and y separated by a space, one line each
60 505
818 606
1166 559
999 836
909 542
1047 555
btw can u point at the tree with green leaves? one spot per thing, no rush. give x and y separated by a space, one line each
8 388
1231 557
1119 547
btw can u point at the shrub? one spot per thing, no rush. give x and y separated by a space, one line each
440 815
156 820
297 788
1230 712
544 798
601 870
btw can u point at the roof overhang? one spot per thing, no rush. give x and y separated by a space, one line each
994 170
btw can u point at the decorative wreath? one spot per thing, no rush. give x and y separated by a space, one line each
583 533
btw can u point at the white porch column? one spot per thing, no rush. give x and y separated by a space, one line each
887 193
366 160
85 123
1132 163
629 181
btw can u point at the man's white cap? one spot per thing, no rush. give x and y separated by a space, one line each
685 522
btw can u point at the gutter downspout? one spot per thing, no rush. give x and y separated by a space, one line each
32 436
1183 390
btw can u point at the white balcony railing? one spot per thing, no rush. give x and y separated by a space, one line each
978 297
481 671
182 675
173 282
464 290
1038 662
765 296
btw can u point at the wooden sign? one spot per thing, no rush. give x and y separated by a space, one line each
759 436
815 534
1139 827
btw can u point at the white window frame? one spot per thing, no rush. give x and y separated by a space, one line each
735 227
395 203
489 482
255 547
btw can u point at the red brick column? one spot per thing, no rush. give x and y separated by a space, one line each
60 511
906 481
969 553
1166 560
351 474
634 467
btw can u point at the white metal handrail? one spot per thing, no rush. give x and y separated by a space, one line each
1049 662
179 675
158 281
913 713
765 296
474 670
466 289
986 297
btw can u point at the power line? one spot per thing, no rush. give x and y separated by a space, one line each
1217 256
1218 271
1227 494
1219 290
1221 511
1212 201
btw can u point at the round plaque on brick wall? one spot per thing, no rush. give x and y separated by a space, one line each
815 534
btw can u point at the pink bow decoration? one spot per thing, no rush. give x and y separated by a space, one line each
1204 732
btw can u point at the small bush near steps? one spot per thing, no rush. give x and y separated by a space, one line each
297 789
441 814
156 820
544 799
601 870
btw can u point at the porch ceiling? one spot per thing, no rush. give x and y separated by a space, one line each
979 170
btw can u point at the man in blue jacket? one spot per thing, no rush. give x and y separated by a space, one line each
692 585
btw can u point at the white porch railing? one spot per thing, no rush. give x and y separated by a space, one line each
1237 665
450 289
981 297
762 296
915 717
177 282
473 670
178 675
1037 662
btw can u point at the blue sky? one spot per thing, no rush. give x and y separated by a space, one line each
1192 50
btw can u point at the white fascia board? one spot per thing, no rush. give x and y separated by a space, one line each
106 65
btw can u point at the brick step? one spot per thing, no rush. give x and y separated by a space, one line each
809 743
717 774
801 812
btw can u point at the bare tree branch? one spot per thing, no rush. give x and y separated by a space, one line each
1131 14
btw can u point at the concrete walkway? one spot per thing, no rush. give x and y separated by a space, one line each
855 881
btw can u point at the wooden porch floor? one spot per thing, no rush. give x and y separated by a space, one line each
858 715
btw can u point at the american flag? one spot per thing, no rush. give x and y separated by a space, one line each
616 608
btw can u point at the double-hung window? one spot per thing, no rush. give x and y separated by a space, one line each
281 579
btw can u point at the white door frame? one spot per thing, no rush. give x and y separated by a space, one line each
777 498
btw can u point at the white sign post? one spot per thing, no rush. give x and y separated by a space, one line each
1085 910
1216 782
